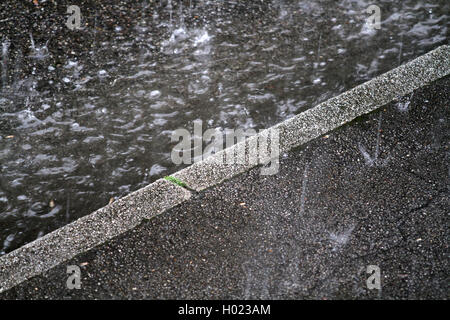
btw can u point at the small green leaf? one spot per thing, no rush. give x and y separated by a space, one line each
176 181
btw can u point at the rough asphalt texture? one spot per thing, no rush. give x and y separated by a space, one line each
336 206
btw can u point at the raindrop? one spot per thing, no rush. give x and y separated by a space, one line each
5 47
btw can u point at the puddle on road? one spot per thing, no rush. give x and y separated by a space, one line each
87 115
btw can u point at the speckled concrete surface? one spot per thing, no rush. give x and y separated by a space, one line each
374 192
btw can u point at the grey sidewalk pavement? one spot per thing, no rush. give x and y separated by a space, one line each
373 192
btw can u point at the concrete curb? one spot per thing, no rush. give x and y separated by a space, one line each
126 213
323 118
89 231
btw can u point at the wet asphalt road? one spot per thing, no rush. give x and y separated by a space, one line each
86 114
374 192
